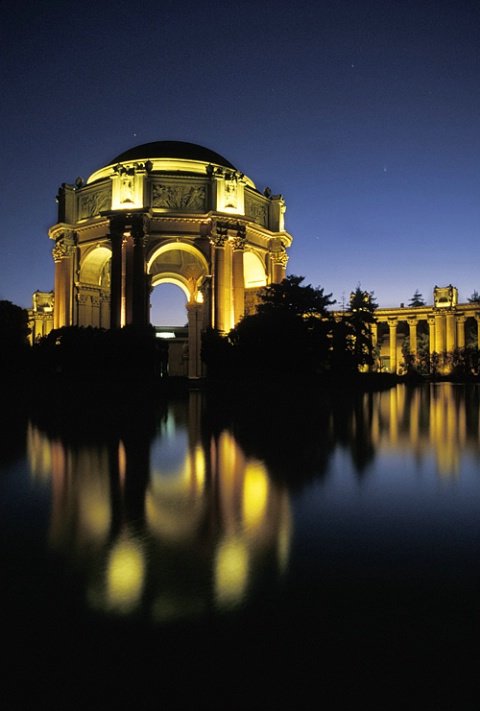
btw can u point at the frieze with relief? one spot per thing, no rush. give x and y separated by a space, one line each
179 197
256 211
93 204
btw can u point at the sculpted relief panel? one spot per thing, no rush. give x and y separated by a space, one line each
92 204
256 211
191 198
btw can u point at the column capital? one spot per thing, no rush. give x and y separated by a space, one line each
64 246
219 234
194 307
240 239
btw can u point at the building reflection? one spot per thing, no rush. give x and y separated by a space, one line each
436 420
176 520
167 526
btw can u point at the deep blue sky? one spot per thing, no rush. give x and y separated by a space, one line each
364 115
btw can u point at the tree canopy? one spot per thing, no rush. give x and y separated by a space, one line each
291 296
417 299
14 332
294 333
352 338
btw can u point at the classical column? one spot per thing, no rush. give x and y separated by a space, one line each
461 331
279 260
63 255
477 319
195 321
139 287
392 325
374 334
431 334
412 325
450 334
127 280
440 333
220 291
238 277
116 239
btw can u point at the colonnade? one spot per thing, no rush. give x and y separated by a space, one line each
446 328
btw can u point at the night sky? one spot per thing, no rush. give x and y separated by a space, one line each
365 115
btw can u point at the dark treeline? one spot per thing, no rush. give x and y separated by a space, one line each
293 333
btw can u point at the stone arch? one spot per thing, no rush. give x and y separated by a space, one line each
92 302
178 263
95 267
172 279
254 270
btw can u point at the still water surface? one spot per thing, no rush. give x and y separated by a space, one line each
203 550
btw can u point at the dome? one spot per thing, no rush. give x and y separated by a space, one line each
174 150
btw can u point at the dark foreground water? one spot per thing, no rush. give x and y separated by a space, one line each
320 551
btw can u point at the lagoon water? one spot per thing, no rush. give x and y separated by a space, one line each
197 552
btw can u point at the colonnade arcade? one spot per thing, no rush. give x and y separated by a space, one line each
446 324
165 212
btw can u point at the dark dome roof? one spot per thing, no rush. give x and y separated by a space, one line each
172 149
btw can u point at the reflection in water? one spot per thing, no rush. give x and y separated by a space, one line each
125 574
440 420
295 543
171 521
166 525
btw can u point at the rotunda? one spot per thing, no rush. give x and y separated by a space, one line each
170 212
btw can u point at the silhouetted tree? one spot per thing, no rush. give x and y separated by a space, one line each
417 299
291 296
353 347
14 330
129 352
289 334
474 298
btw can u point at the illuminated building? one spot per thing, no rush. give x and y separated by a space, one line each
40 316
447 321
165 212
446 325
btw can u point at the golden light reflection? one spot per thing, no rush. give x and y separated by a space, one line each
231 572
125 575
255 493
122 463
426 419
174 504
284 534
39 454
95 510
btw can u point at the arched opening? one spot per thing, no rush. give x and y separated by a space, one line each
168 305
254 271
95 267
